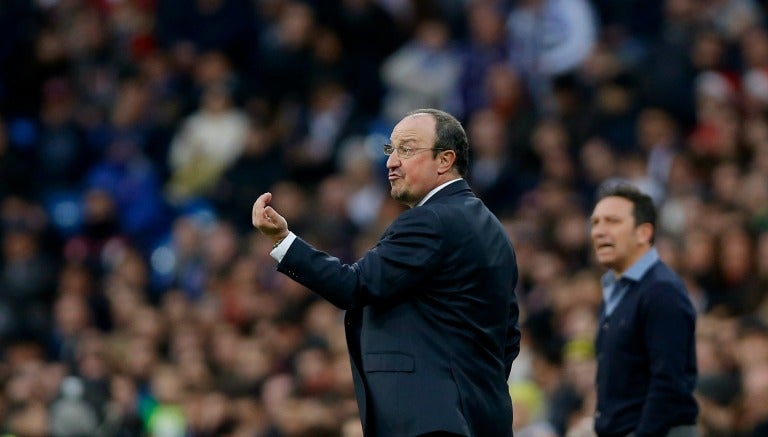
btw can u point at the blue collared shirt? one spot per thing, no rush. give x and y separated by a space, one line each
615 288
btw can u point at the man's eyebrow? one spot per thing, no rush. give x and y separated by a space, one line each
606 216
402 142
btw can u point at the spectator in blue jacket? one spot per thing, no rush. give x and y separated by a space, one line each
646 354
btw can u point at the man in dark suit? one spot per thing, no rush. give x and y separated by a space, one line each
646 353
431 318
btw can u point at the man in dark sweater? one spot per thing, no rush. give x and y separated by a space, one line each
645 342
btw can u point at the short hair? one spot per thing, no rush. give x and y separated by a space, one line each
643 209
449 135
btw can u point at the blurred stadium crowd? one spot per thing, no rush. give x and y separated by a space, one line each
135 299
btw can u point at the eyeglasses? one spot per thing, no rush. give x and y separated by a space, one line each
405 152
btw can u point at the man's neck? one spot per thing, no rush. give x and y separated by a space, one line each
436 189
632 262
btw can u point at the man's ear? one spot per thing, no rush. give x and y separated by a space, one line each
445 160
645 232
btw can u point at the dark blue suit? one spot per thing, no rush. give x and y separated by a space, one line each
431 318
647 358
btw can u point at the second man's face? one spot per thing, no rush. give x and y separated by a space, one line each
412 178
616 240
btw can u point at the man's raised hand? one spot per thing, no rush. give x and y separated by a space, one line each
267 220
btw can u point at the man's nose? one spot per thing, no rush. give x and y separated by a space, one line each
393 160
595 230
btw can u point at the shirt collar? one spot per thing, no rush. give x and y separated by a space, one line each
435 190
636 271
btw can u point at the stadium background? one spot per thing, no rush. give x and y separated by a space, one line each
135 299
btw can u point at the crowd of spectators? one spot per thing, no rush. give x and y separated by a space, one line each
136 299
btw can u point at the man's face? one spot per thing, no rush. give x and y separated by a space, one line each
412 178
617 242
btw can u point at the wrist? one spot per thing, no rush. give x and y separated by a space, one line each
276 242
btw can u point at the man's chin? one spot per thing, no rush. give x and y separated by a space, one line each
608 263
401 196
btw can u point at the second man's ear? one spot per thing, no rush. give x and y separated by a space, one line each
646 232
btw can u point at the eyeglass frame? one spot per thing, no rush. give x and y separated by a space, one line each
411 151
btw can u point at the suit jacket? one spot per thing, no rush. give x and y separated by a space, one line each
431 318
646 356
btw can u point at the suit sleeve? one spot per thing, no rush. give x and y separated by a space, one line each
408 252
512 347
669 337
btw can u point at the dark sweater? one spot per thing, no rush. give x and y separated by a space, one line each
647 359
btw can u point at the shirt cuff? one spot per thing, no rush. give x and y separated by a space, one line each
279 252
